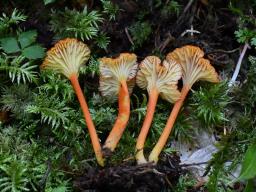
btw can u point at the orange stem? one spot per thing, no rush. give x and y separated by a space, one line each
153 96
122 118
153 157
91 128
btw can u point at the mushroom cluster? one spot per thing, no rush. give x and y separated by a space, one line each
194 68
117 79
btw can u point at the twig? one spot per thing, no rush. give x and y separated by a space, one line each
191 31
200 183
128 159
169 182
144 171
223 51
188 6
185 10
157 172
238 65
169 39
128 35
12 3
193 164
88 160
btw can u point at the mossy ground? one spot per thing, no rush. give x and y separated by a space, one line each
57 154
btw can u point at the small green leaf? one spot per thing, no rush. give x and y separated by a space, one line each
60 189
48 1
253 41
249 165
10 45
27 38
33 52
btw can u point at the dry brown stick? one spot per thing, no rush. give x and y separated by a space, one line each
169 182
188 6
157 172
169 39
12 3
128 35
143 171
193 164
128 159
224 51
185 10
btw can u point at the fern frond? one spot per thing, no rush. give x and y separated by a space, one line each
102 40
56 86
183 129
171 8
92 67
52 111
14 179
140 32
209 104
103 116
15 18
248 91
71 23
6 21
139 107
24 73
110 8
16 98
50 116
18 69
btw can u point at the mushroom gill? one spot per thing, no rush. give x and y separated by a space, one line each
66 57
194 66
117 79
158 79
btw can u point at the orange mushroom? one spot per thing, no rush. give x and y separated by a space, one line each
194 68
117 79
157 79
66 57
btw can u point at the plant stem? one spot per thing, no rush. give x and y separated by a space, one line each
153 157
122 118
91 128
238 65
153 96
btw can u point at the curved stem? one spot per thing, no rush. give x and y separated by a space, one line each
91 128
153 157
238 65
153 96
122 118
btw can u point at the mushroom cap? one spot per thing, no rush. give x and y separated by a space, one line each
115 70
194 66
67 56
164 78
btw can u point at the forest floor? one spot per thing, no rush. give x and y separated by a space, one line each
209 25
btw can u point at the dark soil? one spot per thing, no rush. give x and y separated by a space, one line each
131 177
